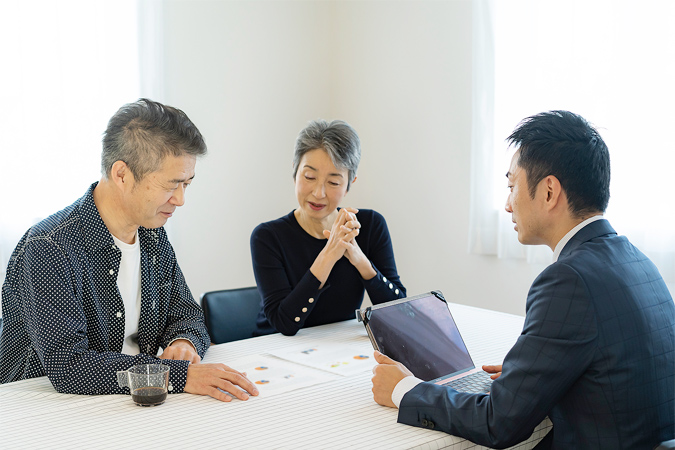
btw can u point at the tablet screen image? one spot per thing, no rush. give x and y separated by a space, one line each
421 334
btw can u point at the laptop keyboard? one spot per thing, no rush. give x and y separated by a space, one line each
475 383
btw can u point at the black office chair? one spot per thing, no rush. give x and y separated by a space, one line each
231 314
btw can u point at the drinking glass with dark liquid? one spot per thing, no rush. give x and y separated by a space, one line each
149 396
148 383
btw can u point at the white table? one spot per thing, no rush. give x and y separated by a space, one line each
335 414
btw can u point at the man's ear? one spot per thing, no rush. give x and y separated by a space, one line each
354 180
121 176
553 192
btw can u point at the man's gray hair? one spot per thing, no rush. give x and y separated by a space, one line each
143 133
336 138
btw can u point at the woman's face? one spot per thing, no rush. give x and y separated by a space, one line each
319 185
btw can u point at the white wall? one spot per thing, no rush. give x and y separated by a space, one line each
251 74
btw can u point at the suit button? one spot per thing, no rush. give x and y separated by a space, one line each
431 425
425 422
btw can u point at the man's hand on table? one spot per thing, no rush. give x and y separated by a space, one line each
181 349
213 379
387 374
209 379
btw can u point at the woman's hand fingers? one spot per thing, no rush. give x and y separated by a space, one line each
347 230
347 217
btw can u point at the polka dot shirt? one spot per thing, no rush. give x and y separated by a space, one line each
63 314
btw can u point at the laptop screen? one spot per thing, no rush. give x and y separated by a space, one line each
421 334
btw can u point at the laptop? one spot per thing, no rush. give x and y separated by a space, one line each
420 333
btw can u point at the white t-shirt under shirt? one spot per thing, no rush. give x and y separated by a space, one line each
129 285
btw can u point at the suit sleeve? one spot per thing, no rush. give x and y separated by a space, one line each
555 348
386 284
282 302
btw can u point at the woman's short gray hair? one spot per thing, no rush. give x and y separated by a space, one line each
336 138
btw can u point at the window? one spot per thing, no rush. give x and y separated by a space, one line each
67 67
609 61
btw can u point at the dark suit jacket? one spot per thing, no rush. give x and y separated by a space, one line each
596 355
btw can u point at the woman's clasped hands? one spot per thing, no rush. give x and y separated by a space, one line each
342 241
341 235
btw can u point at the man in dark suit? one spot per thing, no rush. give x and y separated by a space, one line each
597 350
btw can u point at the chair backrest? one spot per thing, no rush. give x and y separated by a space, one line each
231 314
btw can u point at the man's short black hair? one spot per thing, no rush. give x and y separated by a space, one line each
565 145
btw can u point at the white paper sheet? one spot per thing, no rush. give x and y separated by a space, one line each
334 357
274 376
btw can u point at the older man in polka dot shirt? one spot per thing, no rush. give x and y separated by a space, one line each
96 288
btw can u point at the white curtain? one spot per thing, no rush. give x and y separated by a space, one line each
67 66
611 61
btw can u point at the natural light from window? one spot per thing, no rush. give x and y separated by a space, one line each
73 64
611 62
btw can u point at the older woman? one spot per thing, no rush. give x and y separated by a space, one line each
313 265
